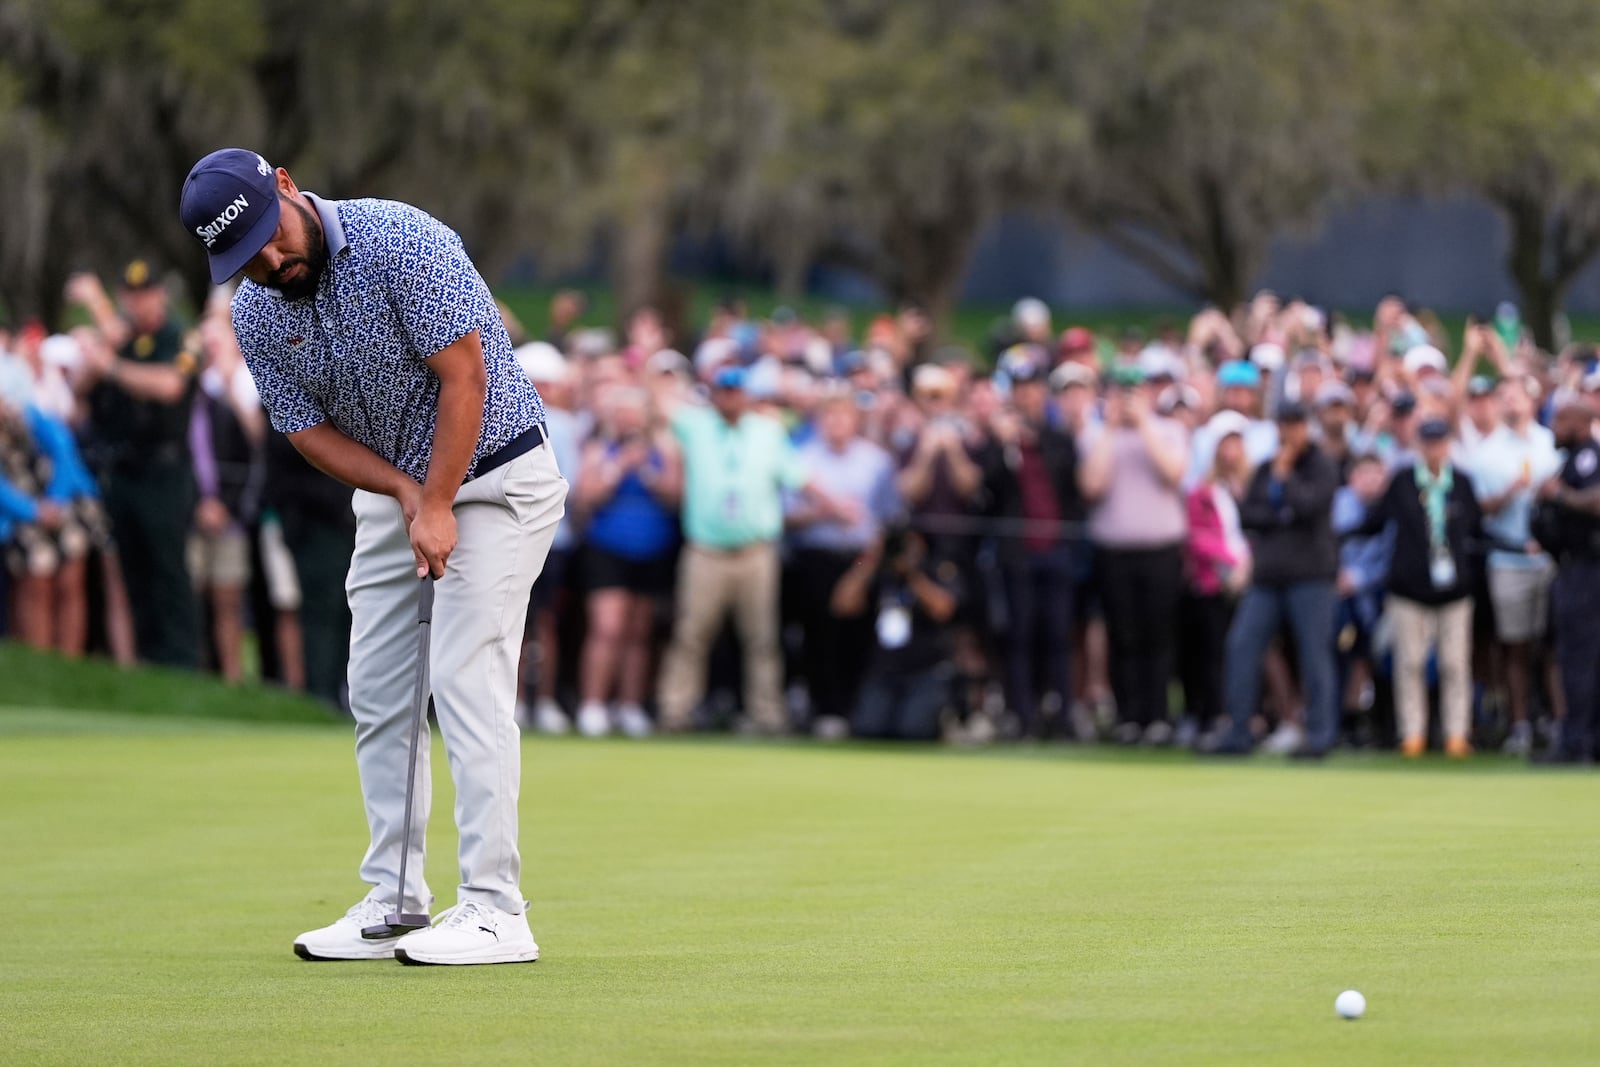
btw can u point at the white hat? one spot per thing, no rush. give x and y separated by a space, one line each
1426 357
667 361
1157 361
1267 356
1227 424
713 352
62 351
542 362
1030 311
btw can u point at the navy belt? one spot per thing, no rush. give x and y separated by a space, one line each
520 445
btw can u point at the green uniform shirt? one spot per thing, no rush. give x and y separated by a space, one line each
734 477
130 430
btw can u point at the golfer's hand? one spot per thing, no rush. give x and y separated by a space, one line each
433 538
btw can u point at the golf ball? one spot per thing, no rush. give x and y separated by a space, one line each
1350 1004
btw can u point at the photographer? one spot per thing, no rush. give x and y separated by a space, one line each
915 596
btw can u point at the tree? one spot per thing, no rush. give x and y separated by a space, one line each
900 131
1502 99
1212 129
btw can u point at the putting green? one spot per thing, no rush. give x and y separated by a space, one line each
724 903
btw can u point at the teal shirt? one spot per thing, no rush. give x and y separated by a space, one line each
734 477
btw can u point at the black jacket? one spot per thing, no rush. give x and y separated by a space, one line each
1003 487
1411 567
1291 533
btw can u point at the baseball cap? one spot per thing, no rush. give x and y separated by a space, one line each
1075 339
1239 374
1480 386
1331 393
1124 376
1433 430
1070 374
1227 424
1025 371
1291 411
542 362
1404 404
1174 397
1426 357
138 275
230 205
728 378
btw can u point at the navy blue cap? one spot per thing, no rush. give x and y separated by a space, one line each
230 205
1433 430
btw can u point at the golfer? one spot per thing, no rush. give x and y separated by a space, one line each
378 350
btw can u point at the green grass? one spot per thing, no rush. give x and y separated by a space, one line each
706 902
34 679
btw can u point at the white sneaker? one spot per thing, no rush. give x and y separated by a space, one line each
1520 740
471 932
594 720
831 728
633 722
548 718
343 941
1284 740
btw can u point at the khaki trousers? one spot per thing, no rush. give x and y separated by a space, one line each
1448 629
712 582
505 522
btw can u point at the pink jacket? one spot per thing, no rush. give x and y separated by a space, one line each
1210 551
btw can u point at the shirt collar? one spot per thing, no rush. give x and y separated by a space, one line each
332 228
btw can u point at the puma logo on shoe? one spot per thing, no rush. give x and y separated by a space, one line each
490 932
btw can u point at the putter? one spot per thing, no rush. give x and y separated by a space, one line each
400 921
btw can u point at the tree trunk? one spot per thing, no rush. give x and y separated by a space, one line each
1525 261
928 261
639 257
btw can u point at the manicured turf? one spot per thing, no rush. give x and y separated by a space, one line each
707 902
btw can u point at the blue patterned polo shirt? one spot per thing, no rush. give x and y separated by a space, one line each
398 288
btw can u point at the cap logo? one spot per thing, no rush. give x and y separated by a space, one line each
263 167
214 229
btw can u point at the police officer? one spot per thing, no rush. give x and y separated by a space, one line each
140 394
1567 525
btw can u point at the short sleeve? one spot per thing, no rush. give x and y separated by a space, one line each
438 294
289 407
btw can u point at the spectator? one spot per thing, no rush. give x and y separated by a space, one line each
1568 527
1336 431
1130 477
141 390
1031 472
907 682
566 308
736 465
1216 572
551 374
1287 516
1363 571
828 537
1437 527
1512 460
630 483
226 431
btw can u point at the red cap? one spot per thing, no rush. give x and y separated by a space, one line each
1075 339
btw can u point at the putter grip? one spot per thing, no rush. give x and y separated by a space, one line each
425 601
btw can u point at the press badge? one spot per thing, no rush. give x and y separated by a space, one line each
894 626
1443 569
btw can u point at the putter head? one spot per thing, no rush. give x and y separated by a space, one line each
394 924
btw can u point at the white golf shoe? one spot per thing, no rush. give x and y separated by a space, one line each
471 932
594 720
633 721
342 939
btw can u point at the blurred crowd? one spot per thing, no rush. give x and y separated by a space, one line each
1267 527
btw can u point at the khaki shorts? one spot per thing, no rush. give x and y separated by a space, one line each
219 560
277 565
1521 598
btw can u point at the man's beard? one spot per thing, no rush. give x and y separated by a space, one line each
314 261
